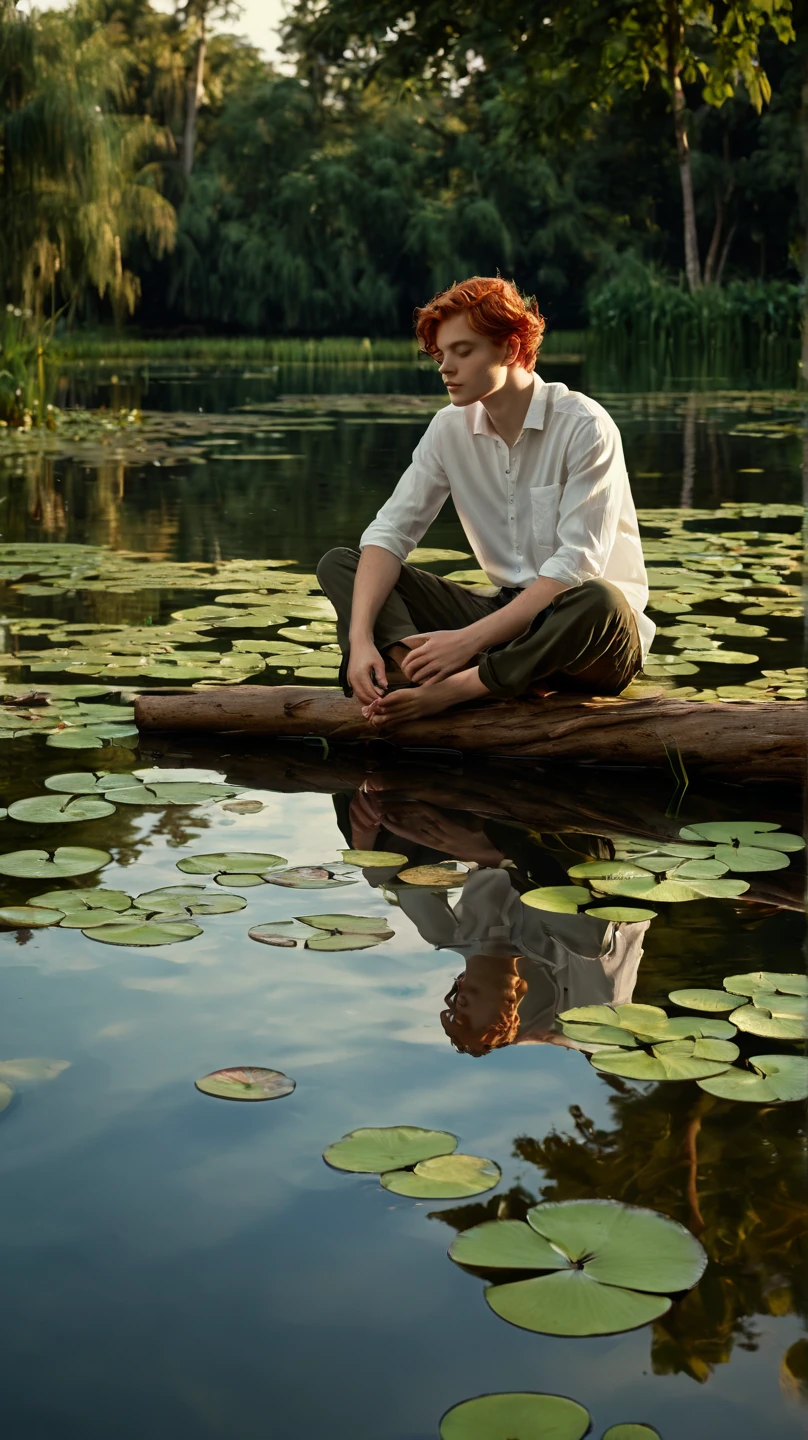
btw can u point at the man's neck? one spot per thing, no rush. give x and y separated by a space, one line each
508 407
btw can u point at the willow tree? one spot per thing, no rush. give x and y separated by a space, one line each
78 180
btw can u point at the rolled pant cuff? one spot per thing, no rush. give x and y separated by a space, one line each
502 692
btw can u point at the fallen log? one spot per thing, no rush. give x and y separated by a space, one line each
761 741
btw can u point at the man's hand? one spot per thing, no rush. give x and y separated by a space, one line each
365 662
437 654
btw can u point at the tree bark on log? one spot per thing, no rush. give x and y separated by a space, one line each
766 740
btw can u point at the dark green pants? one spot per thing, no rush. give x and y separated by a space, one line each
585 640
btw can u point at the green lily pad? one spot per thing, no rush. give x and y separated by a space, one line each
31 1069
673 892
246 1082
779 1078
233 862
762 833
169 793
372 1151
77 903
638 1065
697 1049
366 858
700 869
283 933
55 810
622 914
505 1245
307 877
91 737
127 930
244 882
446 1177
434 877
750 858
28 917
631 1431
526 1415
58 864
642 1016
83 782
348 924
622 1244
755 1019
598 1034
340 941
570 1302
559 899
191 898
767 982
715 1001
608 870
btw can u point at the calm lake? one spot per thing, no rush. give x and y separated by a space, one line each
185 1268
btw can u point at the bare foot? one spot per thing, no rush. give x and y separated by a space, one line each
393 709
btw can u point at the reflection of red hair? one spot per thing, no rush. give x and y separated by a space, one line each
493 307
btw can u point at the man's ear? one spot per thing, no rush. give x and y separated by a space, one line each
511 350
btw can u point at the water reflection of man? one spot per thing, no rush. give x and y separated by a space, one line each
522 967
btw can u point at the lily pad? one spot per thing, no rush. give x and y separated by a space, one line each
372 1151
28 917
233 862
609 870
603 1254
90 737
83 782
348 924
246 1082
762 833
638 1065
58 864
77 903
341 941
169 793
434 877
715 1001
191 898
631 1431
571 1302
766 982
244 807
674 892
559 899
283 933
367 858
755 1019
778 1078
750 858
56 810
526 1415
127 930
446 1177
622 914
597 1035
307 877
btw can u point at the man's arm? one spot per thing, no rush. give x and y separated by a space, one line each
376 574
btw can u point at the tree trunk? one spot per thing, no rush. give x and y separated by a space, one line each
744 741
194 92
692 262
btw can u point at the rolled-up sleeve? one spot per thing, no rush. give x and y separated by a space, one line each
413 505
590 504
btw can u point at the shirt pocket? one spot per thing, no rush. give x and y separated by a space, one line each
544 500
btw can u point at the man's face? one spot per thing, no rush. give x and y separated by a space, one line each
472 366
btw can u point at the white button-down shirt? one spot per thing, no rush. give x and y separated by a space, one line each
557 504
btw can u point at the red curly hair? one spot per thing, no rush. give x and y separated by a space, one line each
493 307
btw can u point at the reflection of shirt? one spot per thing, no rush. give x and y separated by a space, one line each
557 504
566 960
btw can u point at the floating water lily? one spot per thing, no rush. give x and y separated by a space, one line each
246 1082
28 917
240 866
324 932
609 1267
446 1177
772 1080
372 1151
58 810
59 864
443 876
310 877
529 1415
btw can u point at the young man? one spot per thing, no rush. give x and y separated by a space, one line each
537 476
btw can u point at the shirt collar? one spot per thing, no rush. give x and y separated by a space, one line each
479 422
